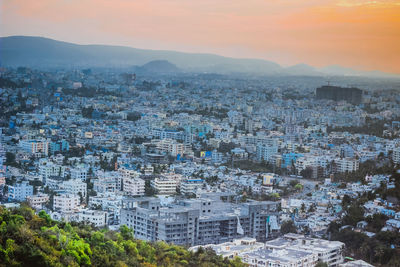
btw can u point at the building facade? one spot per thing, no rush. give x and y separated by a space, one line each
197 221
19 191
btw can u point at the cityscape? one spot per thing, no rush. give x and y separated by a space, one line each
115 156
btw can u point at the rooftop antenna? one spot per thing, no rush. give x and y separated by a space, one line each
329 82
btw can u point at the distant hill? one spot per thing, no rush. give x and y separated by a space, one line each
160 66
39 52
301 69
44 53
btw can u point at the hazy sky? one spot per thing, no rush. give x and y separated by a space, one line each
362 34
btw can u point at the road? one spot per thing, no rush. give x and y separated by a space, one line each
308 185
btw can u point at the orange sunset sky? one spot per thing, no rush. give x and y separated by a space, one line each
362 34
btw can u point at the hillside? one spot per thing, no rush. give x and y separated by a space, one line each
46 53
161 66
27 239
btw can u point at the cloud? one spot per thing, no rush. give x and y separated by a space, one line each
377 3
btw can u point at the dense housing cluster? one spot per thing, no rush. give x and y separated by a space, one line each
197 159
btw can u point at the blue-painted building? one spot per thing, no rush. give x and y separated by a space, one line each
19 191
288 158
59 146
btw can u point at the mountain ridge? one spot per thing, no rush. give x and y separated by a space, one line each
42 52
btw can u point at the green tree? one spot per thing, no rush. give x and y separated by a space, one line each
288 227
27 239
298 187
10 158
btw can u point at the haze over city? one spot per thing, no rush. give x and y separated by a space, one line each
360 34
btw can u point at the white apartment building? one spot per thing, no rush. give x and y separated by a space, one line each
133 186
48 168
280 257
127 173
312 162
59 158
171 147
191 185
79 173
266 152
109 202
330 252
235 117
107 182
165 186
66 202
396 155
37 201
131 183
54 182
217 157
96 217
258 140
75 187
347 165
232 249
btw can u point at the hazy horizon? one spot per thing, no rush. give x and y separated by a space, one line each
355 34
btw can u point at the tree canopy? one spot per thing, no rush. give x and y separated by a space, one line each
29 239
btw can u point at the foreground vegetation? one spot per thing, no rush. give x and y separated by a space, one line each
27 239
381 249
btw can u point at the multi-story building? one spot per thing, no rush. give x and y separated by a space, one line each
235 117
36 147
217 157
2 161
165 186
107 182
396 155
131 183
280 257
167 134
171 147
98 218
258 140
288 251
266 152
234 248
59 146
133 186
54 182
347 165
198 221
109 202
19 191
75 187
191 185
329 252
37 201
79 173
48 168
66 202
